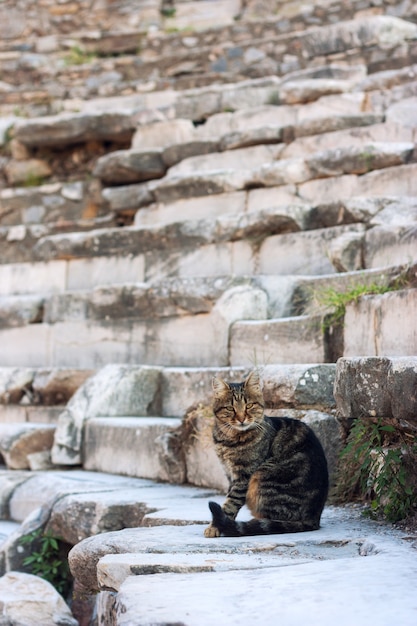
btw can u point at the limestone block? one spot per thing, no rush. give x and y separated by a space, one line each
287 340
282 172
77 516
67 128
403 112
252 137
360 387
371 30
14 383
203 14
20 310
89 273
181 151
21 172
402 387
400 211
163 134
304 252
321 189
207 183
34 278
17 441
359 160
9 481
382 325
150 447
219 259
128 196
308 89
388 182
129 166
57 386
346 252
114 391
250 158
299 386
28 599
192 208
390 245
26 346
376 387
259 199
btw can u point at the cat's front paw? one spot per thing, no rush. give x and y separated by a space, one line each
211 531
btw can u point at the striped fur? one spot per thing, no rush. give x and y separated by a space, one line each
276 465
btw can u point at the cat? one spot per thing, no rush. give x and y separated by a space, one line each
276 465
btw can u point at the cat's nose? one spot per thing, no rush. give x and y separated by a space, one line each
241 417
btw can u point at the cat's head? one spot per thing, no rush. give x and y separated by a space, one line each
239 406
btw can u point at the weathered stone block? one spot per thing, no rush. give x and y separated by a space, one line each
360 387
299 386
129 166
402 387
105 437
27 597
17 441
116 390
163 134
382 325
77 516
286 340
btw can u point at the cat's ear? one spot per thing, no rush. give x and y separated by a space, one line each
253 381
219 386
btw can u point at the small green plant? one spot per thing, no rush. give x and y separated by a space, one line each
48 560
273 98
168 11
379 465
334 301
79 56
33 180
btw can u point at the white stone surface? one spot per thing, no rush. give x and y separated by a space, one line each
26 599
35 278
382 325
143 442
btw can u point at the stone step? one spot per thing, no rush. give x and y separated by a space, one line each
148 443
178 556
287 340
26 445
180 321
357 39
55 203
37 395
368 325
196 152
245 244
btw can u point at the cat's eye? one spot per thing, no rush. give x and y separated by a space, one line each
250 405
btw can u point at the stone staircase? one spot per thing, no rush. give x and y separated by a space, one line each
172 205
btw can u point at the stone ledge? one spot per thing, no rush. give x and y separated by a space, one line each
376 387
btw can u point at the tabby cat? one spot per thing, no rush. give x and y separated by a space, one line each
276 465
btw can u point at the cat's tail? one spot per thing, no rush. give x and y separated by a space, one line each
230 528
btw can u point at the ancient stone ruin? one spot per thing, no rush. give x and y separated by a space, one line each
187 189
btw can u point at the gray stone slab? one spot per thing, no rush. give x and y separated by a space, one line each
260 594
105 437
287 340
382 325
338 526
18 441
